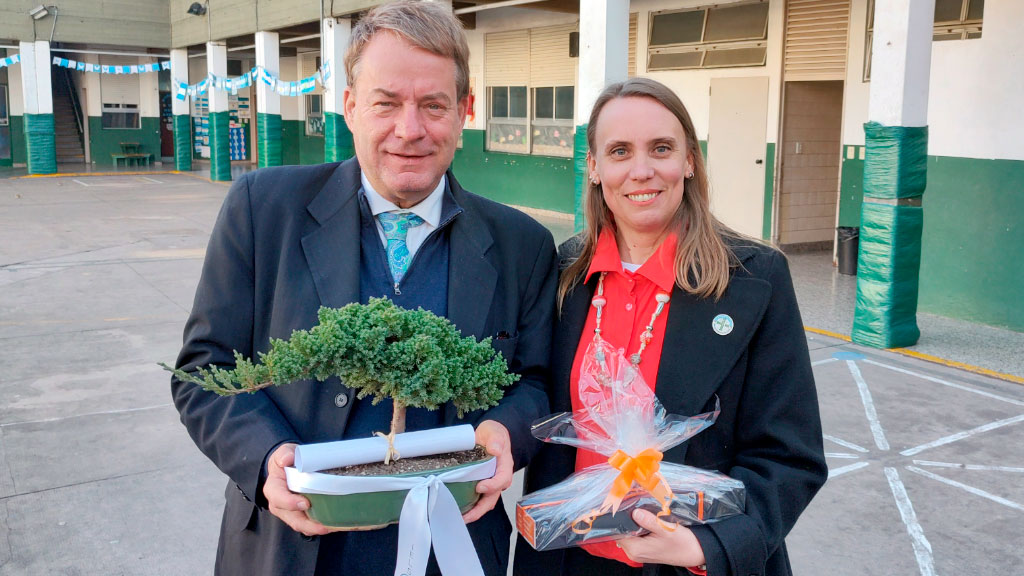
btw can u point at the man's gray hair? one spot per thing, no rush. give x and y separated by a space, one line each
427 25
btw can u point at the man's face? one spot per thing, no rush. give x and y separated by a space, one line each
405 118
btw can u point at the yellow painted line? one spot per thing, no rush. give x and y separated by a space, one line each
80 174
826 333
960 365
929 358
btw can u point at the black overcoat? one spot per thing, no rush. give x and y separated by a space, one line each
287 241
768 434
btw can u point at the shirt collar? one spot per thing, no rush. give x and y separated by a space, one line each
659 268
429 208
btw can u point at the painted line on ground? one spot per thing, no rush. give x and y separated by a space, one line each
869 406
846 455
844 443
837 472
80 174
150 180
104 413
979 467
971 489
823 361
77 181
922 548
927 357
961 435
946 383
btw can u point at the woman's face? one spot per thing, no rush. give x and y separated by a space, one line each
641 158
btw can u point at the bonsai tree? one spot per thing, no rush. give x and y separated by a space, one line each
414 357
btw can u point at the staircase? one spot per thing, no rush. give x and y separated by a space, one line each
65 120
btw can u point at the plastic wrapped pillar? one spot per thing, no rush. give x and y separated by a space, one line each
183 143
892 219
268 132
338 145
40 144
579 169
220 147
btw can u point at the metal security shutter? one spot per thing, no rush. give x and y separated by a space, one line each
507 61
816 32
631 61
119 88
550 64
307 68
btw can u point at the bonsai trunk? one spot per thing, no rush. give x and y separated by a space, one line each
397 427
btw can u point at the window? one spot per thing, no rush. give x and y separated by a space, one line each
954 20
123 116
314 115
507 121
4 118
709 37
552 120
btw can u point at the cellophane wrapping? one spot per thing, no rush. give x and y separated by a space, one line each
621 418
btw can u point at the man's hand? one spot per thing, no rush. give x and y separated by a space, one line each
494 437
677 547
283 503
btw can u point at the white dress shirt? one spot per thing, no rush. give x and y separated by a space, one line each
429 209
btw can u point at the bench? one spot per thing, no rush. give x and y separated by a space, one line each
137 159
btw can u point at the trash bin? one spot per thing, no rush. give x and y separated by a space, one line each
849 238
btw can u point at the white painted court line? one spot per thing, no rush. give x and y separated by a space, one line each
869 406
150 180
971 489
947 383
846 455
979 467
844 443
823 361
836 472
922 548
961 435
104 413
77 181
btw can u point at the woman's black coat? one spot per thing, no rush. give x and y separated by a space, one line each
768 434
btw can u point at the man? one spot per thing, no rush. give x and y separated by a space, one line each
291 239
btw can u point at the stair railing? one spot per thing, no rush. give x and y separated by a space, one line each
76 105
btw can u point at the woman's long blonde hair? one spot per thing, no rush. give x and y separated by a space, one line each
703 261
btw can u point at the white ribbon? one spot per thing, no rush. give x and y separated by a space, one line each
430 514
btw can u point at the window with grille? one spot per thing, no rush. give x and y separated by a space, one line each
552 120
954 20
507 124
708 37
314 115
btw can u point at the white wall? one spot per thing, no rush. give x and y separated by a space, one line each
693 86
149 91
290 108
15 93
975 93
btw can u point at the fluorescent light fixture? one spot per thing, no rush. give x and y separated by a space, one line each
39 12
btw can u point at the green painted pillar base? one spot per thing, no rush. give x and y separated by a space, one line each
268 134
892 219
40 144
579 171
183 142
220 147
338 145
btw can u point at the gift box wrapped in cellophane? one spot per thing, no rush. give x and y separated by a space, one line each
621 418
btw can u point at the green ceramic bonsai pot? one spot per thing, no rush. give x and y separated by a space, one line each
372 510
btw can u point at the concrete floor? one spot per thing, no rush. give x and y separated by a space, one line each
97 476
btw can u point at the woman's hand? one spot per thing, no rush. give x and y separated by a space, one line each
677 547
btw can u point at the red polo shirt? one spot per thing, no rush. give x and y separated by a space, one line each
630 303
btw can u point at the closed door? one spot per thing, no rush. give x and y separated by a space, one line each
736 152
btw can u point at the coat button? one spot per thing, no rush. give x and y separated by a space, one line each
341 400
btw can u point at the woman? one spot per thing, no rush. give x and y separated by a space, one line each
730 330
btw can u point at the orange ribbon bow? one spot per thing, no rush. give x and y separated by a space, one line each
642 469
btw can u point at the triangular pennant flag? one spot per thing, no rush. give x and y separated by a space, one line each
80 66
165 65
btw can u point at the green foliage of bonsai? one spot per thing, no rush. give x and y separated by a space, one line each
414 357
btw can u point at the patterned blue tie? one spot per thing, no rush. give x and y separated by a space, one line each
396 227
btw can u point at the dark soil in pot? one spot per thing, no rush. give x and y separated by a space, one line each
410 466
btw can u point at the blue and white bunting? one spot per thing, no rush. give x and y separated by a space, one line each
5 62
255 75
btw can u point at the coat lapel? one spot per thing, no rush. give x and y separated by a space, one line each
332 249
695 359
471 275
571 322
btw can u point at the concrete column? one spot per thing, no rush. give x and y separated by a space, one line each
268 102
183 144
604 52
337 137
220 142
37 91
895 170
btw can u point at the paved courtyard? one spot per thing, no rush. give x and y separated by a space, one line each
98 477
